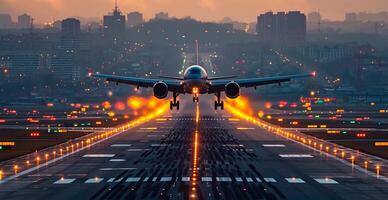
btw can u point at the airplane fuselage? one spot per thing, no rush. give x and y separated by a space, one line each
195 80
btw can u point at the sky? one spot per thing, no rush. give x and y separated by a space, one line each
205 10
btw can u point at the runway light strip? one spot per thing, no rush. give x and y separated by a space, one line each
312 142
194 174
58 152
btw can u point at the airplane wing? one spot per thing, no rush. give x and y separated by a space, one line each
173 85
219 85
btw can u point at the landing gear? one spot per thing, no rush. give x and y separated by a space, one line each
195 99
218 103
174 103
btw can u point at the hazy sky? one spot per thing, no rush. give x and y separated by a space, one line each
208 10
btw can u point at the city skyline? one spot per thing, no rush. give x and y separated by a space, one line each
204 10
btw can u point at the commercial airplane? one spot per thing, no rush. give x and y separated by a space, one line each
195 81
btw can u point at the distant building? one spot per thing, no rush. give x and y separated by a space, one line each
351 17
24 21
114 25
161 15
32 63
326 53
314 21
282 28
134 19
71 27
296 27
5 21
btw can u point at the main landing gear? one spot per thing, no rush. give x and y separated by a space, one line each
218 103
174 103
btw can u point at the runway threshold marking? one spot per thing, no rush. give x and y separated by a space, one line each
295 180
292 180
296 156
94 180
98 155
64 181
325 181
270 180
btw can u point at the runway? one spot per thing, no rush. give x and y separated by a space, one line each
232 160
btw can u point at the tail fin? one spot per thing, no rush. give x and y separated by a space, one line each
196 49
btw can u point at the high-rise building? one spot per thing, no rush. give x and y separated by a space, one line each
114 25
161 15
314 21
24 21
296 27
282 28
134 19
5 21
71 27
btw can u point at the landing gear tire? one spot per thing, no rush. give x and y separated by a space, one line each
219 104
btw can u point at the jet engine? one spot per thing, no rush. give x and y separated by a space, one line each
232 90
160 90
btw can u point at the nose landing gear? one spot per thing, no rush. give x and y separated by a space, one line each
195 99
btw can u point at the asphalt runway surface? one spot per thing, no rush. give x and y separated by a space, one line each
233 160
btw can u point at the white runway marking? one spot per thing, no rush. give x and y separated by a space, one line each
295 180
258 180
325 181
116 160
99 155
165 179
185 179
64 181
155 135
207 179
270 180
121 145
146 179
115 169
249 179
274 145
94 180
132 179
158 145
137 149
296 155
110 180
225 179
239 179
